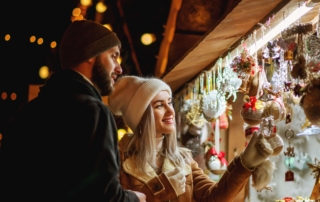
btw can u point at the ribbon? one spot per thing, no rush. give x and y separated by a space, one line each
220 155
251 103
250 130
288 199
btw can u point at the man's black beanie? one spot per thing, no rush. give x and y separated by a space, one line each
83 40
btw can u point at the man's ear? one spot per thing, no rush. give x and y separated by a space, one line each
91 60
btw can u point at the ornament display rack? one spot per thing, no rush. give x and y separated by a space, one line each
293 13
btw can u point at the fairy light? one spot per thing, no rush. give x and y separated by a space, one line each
32 39
7 37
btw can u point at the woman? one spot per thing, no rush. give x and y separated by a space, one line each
153 163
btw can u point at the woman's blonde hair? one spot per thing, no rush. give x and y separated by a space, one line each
143 144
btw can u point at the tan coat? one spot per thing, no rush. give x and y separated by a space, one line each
199 187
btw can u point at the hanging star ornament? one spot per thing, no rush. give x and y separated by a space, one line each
315 195
315 168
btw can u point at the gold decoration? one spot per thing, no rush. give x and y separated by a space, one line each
315 195
288 55
276 109
300 29
306 124
195 116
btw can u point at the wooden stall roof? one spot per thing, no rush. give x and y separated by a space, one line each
218 41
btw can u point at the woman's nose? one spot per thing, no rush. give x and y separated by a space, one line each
170 110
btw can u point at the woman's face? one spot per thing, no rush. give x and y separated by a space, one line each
163 113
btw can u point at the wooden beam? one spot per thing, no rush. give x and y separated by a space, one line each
170 27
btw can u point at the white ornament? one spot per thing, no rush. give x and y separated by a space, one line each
213 105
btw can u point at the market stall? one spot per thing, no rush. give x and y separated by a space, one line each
252 72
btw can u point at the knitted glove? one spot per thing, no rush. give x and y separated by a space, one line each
177 180
258 150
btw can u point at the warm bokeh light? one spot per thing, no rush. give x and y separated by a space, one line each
148 38
85 2
4 95
0 136
53 44
76 12
13 96
101 7
79 17
44 72
108 26
121 133
119 60
40 41
32 39
7 37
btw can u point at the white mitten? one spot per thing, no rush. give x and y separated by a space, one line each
262 175
177 180
257 151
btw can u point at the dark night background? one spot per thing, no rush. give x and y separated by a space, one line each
21 60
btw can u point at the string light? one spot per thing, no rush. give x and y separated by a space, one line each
32 39
44 72
40 41
13 96
148 38
53 44
101 7
7 37
85 2
294 16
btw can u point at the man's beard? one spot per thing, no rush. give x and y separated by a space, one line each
101 78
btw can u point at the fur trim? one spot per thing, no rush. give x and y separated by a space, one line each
262 175
130 168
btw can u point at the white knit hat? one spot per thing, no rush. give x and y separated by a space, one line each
132 95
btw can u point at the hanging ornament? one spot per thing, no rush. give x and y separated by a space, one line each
215 161
244 65
194 145
310 130
269 130
299 69
213 102
289 176
310 103
252 110
249 131
276 109
194 115
288 55
213 105
288 118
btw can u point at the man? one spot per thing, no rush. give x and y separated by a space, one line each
62 145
